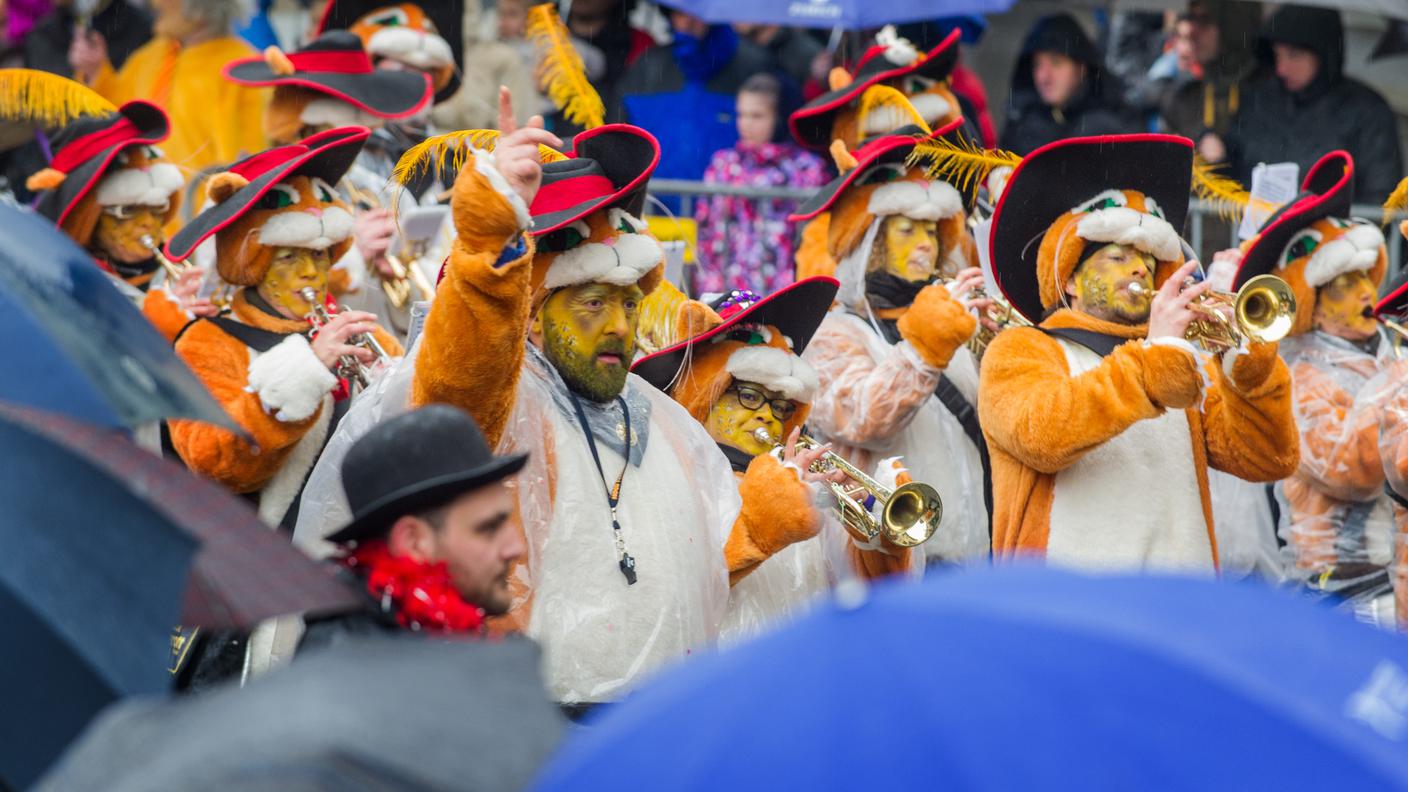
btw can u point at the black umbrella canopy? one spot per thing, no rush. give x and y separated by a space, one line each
77 345
408 712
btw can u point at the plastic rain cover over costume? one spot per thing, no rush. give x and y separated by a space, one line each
1334 509
1393 450
877 400
600 636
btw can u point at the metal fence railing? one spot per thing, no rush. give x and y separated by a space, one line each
1203 217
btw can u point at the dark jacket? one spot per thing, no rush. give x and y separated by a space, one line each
124 26
1094 110
1200 106
327 631
683 94
1333 112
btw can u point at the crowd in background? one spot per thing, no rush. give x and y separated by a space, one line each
1247 83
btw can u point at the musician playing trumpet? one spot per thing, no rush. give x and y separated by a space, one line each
1099 426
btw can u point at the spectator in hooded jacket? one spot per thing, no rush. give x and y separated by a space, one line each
1307 106
1221 35
1060 89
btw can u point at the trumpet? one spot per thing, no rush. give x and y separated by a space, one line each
1262 310
348 366
220 298
405 270
1000 313
1398 333
909 514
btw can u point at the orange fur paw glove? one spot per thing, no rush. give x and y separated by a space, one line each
1252 368
487 212
936 325
777 511
1171 377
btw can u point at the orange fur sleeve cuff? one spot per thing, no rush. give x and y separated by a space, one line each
777 511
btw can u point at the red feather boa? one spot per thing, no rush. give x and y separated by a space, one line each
421 594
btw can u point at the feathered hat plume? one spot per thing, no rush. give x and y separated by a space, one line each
47 99
963 164
441 154
561 71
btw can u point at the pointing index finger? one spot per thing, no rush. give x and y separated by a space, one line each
507 125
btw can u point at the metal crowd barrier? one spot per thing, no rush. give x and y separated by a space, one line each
1200 215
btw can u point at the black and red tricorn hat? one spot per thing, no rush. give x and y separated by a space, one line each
1058 176
336 64
446 15
795 310
85 148
326 155
1326 191
893 148
609 166
811 125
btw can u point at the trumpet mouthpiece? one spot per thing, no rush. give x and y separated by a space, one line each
308 294
764 436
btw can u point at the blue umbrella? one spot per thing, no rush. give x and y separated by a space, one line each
1023 678
77 346
848 14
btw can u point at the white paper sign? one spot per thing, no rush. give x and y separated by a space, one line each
1273 186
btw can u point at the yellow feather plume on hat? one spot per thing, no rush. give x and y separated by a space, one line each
432 154
1228 197
879 97
963 164
561 71
1397 201
658 313
47 99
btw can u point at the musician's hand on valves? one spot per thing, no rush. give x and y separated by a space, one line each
330 343
185 291
803 458
516 154
372 230
1169 313
966 285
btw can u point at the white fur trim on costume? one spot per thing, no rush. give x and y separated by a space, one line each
289 379
931 106
621 260
1177 343
775 370
410 46
484 165
1356 251
1124 226
335 112
920 200
898 49
279 493
150 186
303 229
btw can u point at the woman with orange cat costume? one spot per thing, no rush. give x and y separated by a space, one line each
1097 420
277 224
739 374
894 341
1335 518
629 506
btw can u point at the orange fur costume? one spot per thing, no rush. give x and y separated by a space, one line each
1087 451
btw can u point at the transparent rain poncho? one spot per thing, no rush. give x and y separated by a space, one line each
1335 519
1393 451
600 636
877 400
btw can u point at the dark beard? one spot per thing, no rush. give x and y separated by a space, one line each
582 374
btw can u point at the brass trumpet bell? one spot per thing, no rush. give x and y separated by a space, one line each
1263 310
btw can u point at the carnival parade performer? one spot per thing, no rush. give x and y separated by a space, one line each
1098 422
1393 425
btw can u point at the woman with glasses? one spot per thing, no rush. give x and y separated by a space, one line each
738 372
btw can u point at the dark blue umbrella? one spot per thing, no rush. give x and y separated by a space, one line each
848 14
76 345
1023 678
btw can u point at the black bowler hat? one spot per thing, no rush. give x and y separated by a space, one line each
415 462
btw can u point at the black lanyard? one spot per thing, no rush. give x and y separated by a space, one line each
613 492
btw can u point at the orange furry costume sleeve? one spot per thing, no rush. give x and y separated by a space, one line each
473 348
1249 427
165 314
276 398
1339 436
777 511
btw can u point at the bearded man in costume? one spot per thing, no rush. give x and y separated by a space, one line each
896 380
1337 521
113 191
1097 420
627 504
739 374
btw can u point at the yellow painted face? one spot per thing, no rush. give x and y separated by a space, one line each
588 333
732 421
1101 285
118 235
1342 307
294 269
911 247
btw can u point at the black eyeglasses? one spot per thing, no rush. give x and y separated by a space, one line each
751 398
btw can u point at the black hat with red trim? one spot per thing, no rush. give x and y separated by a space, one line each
446 17
811 125
84 149
1326 191
336 64
1048 182
893 148
795 310
609 166
326 155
